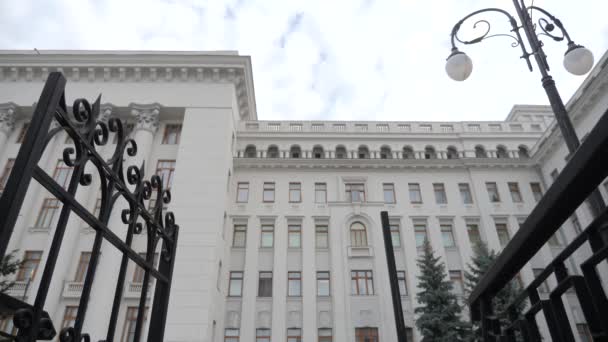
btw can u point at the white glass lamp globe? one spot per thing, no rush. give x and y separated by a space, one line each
458 66
578 60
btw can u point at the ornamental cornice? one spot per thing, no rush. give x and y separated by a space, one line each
8 111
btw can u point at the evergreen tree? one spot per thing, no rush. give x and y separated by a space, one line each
8 265
439 312
481 262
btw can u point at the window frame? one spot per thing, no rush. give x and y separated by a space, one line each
395 229
494 186
355 188
166 167
294 277
131 320
366 334
441 196
358 237
172 130
294 335
232 338
268 188
502 227
32 257
233 280
389 189
82 267
456 277
515 192
264 275
262 338
242 188
320 230
266 230
294 230
325 335
420 227
465 193
241 230
415 193
447 228
46 215
368 279
402 282
295 192
69 315
537 191
321 188
323 277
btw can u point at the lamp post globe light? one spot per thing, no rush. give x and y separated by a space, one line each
578 60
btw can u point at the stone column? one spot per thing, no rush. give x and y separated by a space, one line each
7 125
100 303
309 276
250 286
279 282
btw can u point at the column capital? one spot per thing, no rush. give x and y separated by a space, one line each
7 117
105 112
146 116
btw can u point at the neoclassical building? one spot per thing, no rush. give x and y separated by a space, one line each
280 236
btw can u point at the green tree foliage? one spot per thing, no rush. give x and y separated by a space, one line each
8 265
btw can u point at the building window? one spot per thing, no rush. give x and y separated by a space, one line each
366 334
267 236
294 335
262 335
473 231
583 332
231 335
69 316
235 285
29 266
294 284
165 170
362 283
273 152
363 152
83 266
265 284
452 153
420 234
480 152
402 283
50 207
576 224
295 152
62 173
457 282
128 332
389 192
493 192
536 191
322 236
242 192
268 192
239 237
7 326
138 275
323 284
358 235
172 134
429 153
448 236
8 167
523 152
340 152
503 234
395 234
295 192
415 194
408 153
440 196
515 193
317 152
250 151
501 152
325 335
294 235
355 192
385 152
543 287
465 193
320 193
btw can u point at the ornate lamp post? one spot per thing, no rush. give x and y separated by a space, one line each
577 60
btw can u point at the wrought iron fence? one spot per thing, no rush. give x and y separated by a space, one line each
585 171
117 181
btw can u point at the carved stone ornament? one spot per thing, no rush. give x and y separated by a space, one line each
7 117
146 117
105 113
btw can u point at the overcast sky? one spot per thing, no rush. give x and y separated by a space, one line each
325 59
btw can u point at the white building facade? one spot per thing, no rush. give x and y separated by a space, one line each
280 234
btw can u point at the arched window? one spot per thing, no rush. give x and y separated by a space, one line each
273 152
363 152
385 153
452 152
317 152
295 152
523 151
501 152
480 152
341 152
250 151
358 235
429 153
408 152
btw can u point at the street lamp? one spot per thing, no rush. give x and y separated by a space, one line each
578 60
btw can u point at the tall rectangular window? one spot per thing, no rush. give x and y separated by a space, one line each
242 192
295 192
8 167
172 134
69 316
265 284
231 335
366 335
267 236
440 196
473 231
362 283
465 193
503 234
515 193
395 234
447 236
50 207
420 234
128 331
62 173
320 192
321 236
402 283
294 284
268 193
355 192
323 284
294 235
262 335
165 170
83 266
235 284
415 194
239 237
457 282
537 191
389 192
543 287
493 192
294 335
325 335
29 265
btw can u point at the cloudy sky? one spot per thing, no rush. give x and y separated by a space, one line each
320 59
